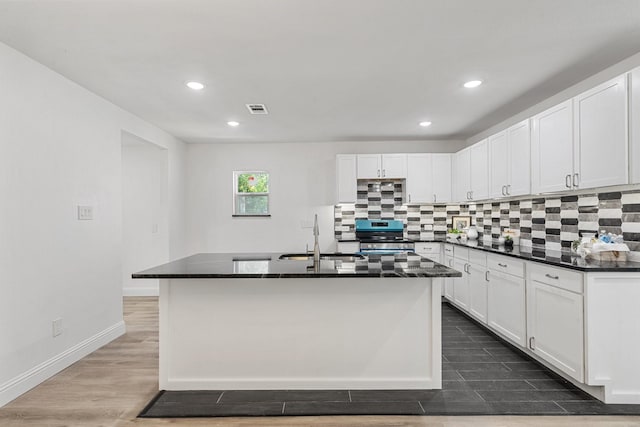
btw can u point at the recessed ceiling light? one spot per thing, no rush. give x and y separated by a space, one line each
425 124
195 85
473 83
232 123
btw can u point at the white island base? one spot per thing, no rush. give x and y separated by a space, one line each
297 333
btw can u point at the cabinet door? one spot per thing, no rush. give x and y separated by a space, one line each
461 285
394 166
601 135
346 178
506 306
634 117
479 170
419 182
555 327
478 292
552 149
369 166
519 139
441 177
498 164
462 175
448 281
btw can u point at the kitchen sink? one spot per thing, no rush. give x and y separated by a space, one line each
325 257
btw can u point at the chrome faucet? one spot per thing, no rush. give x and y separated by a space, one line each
316 246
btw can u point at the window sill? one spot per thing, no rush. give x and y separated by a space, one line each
251 216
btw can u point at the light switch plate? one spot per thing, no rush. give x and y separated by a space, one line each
85 213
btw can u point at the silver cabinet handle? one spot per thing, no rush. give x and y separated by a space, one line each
384 172
378 173
504 187
567 181
502 265
486 276
434 198
450 263
576 177
466 268
409 198
532 343
508 189
551 276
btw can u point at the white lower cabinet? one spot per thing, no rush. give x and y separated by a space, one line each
555 322
506 306
448 281
429 250
478 292
461 284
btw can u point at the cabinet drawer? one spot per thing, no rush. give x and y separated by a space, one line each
448 249
427 248
505 264
559 277
461 253
477 257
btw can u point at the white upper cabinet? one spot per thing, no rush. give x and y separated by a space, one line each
346 178
462 175
509 160
441 176
552 149
394 165
499 161
374 166
369 166
471 173
428 178
519 139
575 144
634 115
419 178
600 149
479 171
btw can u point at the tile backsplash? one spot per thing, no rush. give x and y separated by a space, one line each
550 221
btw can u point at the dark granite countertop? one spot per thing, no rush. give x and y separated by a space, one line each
557 258
267 265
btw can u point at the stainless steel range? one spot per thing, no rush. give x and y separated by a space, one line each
381 236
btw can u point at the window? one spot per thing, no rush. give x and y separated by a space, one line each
250 194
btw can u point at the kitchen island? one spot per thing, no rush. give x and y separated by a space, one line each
255 321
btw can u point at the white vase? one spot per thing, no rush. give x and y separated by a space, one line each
472 234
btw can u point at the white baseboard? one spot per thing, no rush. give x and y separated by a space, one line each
36 375
151 291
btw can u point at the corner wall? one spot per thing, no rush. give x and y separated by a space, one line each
303 181
60 147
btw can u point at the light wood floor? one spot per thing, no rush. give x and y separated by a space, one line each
112 385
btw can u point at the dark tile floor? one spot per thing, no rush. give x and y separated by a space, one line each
482 375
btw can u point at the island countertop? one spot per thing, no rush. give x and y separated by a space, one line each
268 265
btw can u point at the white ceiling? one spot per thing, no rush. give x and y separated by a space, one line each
328 70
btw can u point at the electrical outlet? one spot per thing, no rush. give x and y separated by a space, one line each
85 213
57 326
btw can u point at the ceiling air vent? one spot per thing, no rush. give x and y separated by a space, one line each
257 108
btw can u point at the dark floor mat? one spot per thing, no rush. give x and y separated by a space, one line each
482 375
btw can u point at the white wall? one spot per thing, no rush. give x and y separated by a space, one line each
145 226
60 146
302 184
